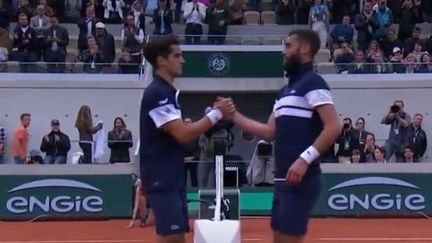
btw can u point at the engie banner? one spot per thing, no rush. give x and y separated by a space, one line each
65 196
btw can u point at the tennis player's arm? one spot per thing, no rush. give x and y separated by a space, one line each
185 133
263 130
331 130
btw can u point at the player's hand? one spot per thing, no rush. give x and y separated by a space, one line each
130 225
296 171
226 106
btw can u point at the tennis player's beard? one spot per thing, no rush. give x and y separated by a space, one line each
292 65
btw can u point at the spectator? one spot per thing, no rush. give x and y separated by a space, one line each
342 8
346 141
418 50
255 5
126 64
379 155
425 65
364 23
120 141
40 23
285 12
5 15
84 124
178 10
399 122
139 15
105 42
409 155
49 11
344 58
57 38
56 145
132 37
93 57
396 60
427 10
410 42
21 138
194 15
319 21
355 156
383 18
369 148
218 17
113 10
360 134
191 154
87 27
237 7
24 44
373 48
390 43
360 65
408 20
416 137
97 5
343 32
302 13
2 145
58 7
24 8
162 18
380 66
410 63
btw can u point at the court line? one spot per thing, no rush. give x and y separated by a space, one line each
372 239
96 241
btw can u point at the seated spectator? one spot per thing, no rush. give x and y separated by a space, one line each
343 58
56 145
113 10
126 64
360 65
120 141
369 148
355 156
24 8
418 50
409 155
5 15
162 18
237 7
218 17
132 37
194 14
92 57
363 23
49 11
105 43
410 63
383 18
319 21
425 65
285 12
416 137
373 48
87 27
379 155
408 20
396 60
2 145
390 43
139 15
380 66
410 42
24 44
57 39
343 32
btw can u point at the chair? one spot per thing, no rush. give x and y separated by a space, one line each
252 17
268 17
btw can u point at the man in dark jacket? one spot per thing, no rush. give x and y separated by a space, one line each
416 137
218 17
87 27
56 145
363 23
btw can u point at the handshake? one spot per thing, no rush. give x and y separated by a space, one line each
223 108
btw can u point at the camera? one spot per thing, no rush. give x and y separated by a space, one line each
265 150
395 109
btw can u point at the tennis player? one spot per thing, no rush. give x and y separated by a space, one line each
162 134
303 124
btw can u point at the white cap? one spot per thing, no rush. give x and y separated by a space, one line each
100 25
396 49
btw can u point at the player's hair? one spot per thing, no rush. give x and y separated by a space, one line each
310 37
160 46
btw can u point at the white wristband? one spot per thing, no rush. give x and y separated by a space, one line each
214 115
310 154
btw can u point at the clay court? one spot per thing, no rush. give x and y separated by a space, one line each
254 230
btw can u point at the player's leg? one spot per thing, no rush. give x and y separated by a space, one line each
292 205
171 215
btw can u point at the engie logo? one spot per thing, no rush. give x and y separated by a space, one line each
406 198
35 198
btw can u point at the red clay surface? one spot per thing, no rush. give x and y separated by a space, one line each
253 230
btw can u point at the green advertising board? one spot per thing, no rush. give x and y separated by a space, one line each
66 196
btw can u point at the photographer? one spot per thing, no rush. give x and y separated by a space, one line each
399 122
346 141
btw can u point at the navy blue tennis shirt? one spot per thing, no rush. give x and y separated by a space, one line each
297 122
161 155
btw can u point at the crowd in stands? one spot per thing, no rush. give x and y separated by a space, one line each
378 47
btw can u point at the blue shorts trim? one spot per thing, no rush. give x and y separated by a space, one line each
170 211
292 205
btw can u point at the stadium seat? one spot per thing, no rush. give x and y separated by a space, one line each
251 40
268 17
323 55
252 17
326 68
